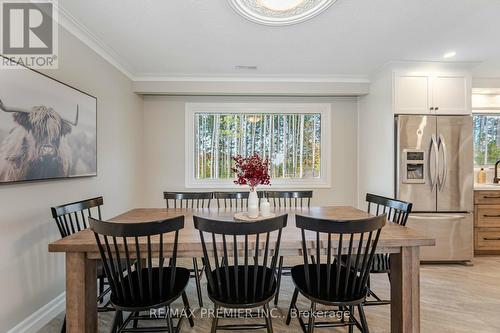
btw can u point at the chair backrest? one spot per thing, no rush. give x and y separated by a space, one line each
72 217
397 211
237 200
355 240
290 199
188 199
241 247
122 245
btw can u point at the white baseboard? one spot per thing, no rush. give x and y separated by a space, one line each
41 317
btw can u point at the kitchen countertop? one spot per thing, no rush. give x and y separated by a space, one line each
486 187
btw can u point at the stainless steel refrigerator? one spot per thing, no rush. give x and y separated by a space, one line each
434 171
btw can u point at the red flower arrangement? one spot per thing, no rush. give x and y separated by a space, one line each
252 170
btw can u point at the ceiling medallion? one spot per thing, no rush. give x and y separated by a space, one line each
279 12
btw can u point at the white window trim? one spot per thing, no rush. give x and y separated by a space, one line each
322 108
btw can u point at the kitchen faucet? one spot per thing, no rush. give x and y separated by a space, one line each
496 179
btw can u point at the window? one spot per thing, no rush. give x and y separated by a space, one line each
486 135
292 136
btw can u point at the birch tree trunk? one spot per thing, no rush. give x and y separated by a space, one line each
264 137
294 148
198 146
271 146
285 146
301 151
235 142
314 148
215 157
254 126
203 153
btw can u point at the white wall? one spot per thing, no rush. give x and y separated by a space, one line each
30 277
164 145
376 140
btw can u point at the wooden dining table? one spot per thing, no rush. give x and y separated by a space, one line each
402 243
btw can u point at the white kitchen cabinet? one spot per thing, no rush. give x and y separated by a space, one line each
412 94
451 94
431 93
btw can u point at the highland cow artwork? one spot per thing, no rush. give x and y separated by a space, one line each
47 129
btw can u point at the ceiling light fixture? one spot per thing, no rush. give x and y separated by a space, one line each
450 54
280 12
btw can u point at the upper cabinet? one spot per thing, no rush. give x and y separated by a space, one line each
431 93
412 93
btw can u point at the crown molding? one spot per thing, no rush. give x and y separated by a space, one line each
400 64
80 31
250 88
263 78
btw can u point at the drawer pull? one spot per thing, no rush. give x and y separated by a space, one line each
491 239
491 197
491 215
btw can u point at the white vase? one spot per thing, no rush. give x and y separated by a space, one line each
253 204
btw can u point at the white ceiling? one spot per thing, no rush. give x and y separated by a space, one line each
152 38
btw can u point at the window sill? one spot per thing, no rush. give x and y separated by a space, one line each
283 184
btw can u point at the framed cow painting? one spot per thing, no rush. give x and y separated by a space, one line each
47 128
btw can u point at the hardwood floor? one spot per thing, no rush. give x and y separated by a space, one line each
454 299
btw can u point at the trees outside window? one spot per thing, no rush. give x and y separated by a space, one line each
291 142
486 136
294 137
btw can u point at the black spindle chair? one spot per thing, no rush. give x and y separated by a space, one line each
233 200
188 199
192 200
335 282
240 264
149 285
287 199
397 212
290 199
73 217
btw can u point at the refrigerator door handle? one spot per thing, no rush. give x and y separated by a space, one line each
433 149
442 179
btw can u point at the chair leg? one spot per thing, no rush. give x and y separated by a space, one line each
198 282
371 294
312 315
63 327
170 323
136 321
292 305
278 282
362 317
267 314
101 288
120 319
187 308
116 321
215 320
351 327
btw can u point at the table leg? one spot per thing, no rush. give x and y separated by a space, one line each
405 291
81 291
